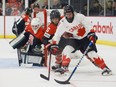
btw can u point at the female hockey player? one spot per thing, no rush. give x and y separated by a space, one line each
55 17
33 33
78 30
31 37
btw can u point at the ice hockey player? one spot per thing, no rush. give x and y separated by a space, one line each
33 33
78 30
22 22
31 36
55 17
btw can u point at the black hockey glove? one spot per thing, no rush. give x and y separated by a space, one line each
14 29
53 49
92 37
67 35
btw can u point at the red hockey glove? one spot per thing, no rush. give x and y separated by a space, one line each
53 49
92 37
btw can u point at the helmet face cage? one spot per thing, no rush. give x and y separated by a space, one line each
55 14
35 27
35 23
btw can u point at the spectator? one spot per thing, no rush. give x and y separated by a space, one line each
8 9
63 3
0 11
114 8
96 9
0 7
109 9
31 2
36 8
14 7
84 11
56 5
15 10
45 6
21 5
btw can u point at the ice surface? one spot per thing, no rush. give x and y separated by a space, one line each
86 75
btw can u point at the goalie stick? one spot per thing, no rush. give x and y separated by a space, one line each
67 81
25 59
43 76
19 56
18 50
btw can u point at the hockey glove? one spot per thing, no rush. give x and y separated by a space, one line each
14 29
53 49
67 35
92 37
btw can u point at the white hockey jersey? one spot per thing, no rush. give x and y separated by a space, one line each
79 28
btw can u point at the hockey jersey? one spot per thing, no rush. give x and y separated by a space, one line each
51 29
39 34
78 29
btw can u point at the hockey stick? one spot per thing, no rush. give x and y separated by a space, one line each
27 49
19 57
67 81
18 50
43 76
25 60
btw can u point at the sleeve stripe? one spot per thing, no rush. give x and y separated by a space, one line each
47 35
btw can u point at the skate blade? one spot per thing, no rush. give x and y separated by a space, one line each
26 65
59 74
108 74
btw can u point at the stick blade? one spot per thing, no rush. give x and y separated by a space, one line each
44 77
62 82
26 65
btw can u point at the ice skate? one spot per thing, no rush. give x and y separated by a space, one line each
106 72
62 70
56 66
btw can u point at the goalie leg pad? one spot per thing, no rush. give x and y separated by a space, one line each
34 59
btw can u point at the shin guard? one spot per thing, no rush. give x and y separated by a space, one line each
93 57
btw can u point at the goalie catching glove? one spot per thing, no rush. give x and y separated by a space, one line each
92 37
53 49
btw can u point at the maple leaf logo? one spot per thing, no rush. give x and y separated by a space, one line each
65 60
81 32
99 62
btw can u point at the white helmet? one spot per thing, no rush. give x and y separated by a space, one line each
35 24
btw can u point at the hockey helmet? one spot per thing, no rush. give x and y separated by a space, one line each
36 24
68 8
54 14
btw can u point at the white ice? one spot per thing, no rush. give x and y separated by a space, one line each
86 75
